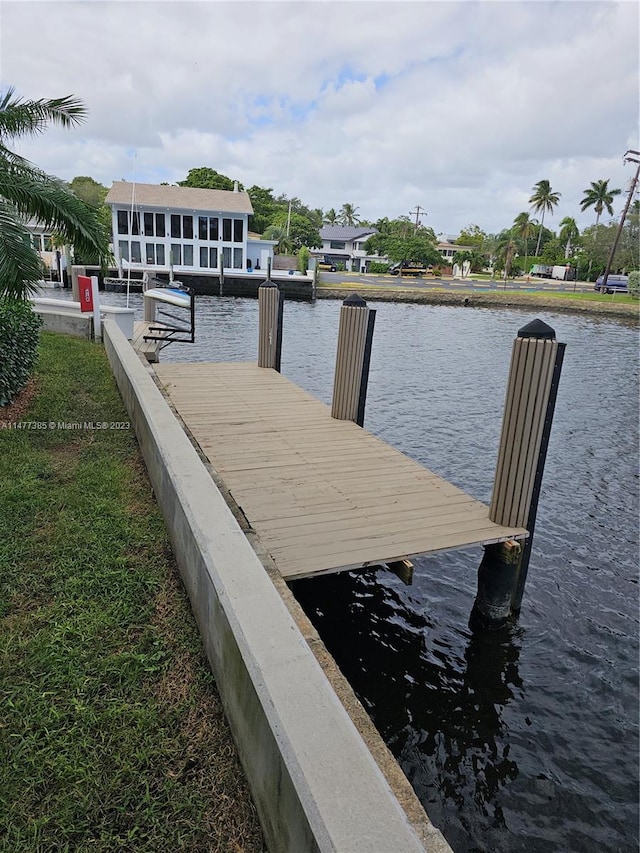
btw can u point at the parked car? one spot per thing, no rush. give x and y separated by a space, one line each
615 284
327 264
407 269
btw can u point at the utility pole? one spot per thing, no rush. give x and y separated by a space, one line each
418 214
628 158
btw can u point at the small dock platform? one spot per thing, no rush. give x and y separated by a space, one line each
323 495
149 349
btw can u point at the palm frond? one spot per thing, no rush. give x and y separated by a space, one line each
34 194
20 266
19 116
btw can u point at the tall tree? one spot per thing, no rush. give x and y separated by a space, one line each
349 214
330 217
524 228
543 199
599 197
569 233
208 179
26 193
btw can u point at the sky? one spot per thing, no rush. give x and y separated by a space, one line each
458 107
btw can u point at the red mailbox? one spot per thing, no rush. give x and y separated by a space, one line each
86 293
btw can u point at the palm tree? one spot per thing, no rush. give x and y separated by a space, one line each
524 227
26 193
543 199
331 217
568 234
505 250
348 214
284 244
599 197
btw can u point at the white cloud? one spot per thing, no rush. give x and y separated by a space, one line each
459 107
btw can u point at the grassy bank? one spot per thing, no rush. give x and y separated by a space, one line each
588 303
112 735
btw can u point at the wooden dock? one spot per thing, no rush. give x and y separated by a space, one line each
323 495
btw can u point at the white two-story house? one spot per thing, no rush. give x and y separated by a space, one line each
192 230
345 243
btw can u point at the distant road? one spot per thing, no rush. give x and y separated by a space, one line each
536 285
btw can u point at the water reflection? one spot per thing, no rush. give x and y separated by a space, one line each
440 711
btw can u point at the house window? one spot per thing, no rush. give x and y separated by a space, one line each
148 225
123 222
208 257
237 230
203 225
213 228
337 244
124 250
175 225
136 257
160 225
47 242
226 254
226 230
160 253
176 254
36 242
151 252
187 227
135 222
187 255
237 259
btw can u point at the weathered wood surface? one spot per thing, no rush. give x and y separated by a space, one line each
322 494
149 349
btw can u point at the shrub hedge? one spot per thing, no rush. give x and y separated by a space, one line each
634 283
19 327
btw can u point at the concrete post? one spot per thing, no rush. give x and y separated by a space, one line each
270 310
536 363
355 336
76 270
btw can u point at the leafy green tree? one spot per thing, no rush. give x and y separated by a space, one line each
330 217
264 208
472 235
524 228
600 198
301 230
415 249
26 193
348 214
505 249
208 179
89 190
543 199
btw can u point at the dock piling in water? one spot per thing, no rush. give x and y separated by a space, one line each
355 336
534 375
270 310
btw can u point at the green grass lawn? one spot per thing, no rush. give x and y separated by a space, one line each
112 735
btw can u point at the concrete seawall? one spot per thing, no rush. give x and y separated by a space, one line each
313 780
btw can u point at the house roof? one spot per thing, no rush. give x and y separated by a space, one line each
181 198
345 232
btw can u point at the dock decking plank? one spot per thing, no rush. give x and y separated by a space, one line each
322 494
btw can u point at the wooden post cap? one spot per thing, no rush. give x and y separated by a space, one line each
537 329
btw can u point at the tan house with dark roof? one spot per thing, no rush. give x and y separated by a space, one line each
191 229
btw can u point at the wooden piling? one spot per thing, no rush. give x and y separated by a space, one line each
149 304
270 311
536 363
355 337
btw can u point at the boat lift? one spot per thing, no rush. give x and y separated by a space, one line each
179 329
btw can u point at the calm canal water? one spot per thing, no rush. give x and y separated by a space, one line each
526 740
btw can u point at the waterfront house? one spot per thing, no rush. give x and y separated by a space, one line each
192 230
345 244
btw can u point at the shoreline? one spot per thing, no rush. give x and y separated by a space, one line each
474 299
